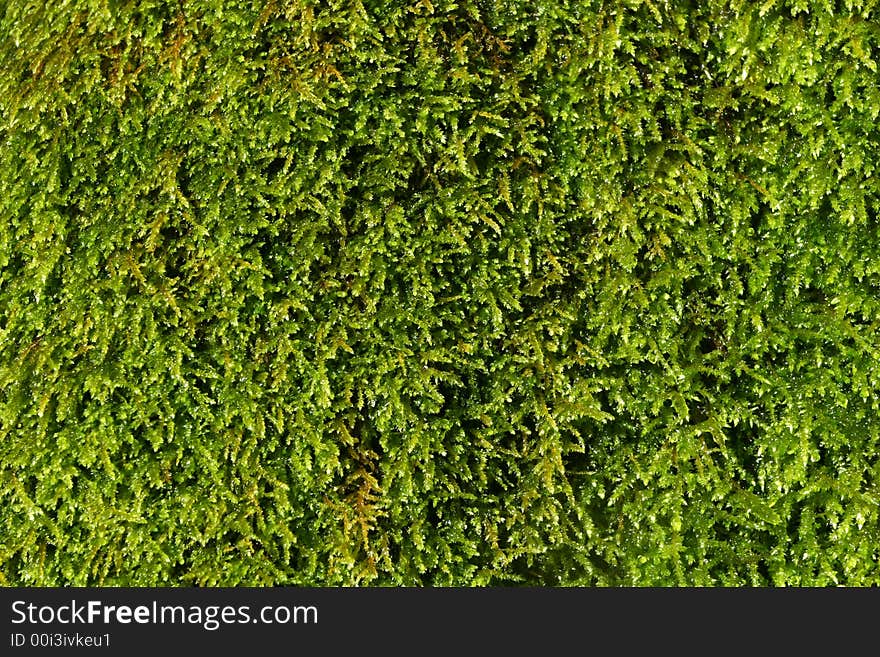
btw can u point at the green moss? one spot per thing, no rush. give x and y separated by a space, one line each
477 292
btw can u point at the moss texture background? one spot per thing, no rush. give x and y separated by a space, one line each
477 292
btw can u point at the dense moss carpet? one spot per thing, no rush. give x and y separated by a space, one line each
439 293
